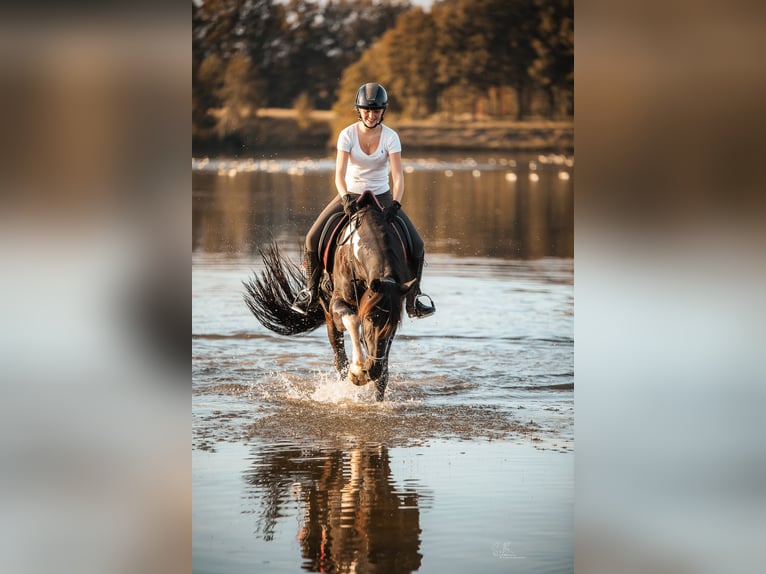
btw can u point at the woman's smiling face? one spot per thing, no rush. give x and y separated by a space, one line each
370 118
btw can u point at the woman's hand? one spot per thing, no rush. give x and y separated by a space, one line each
349 204
390 212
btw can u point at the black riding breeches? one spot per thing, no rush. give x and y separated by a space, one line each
336 206
315 233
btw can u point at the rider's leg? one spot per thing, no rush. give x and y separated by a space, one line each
307 299
418 304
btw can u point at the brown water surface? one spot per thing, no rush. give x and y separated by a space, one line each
468 464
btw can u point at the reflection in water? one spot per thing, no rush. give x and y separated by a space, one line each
480 386
354 518
464 212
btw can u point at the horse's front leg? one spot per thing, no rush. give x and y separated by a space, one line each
356 372
350 322
381 383
338 346
377 368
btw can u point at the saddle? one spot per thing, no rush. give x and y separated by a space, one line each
335 227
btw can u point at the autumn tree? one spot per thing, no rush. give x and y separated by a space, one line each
207 81
410 49
228 83
240 97
318 40
462 53
553 67
367 69
495 57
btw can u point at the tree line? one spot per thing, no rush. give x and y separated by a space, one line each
511 59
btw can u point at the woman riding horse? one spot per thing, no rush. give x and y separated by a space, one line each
364 294
366 150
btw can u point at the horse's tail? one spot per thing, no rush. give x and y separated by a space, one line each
271 293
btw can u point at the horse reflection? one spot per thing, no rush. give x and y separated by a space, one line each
355 519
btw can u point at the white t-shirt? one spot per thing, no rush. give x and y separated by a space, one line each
368 172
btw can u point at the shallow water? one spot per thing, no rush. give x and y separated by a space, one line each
467 464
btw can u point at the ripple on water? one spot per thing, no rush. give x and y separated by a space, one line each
336 413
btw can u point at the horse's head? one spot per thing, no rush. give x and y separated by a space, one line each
380 311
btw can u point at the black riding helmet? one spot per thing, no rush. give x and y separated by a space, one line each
371 96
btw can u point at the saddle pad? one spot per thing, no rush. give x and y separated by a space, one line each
335 226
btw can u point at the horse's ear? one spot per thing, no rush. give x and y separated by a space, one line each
405 287
364 199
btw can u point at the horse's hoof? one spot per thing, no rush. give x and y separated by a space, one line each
357 376
358 381
379 392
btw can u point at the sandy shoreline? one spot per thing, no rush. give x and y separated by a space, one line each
521 136
281 129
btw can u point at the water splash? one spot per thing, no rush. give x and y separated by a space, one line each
323 387
342 392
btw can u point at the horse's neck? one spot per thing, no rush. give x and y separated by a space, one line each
374 237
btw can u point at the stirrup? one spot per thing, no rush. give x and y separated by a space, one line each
303 301
420 309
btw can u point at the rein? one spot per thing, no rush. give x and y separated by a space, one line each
369 356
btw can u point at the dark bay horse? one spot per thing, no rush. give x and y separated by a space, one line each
363 295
